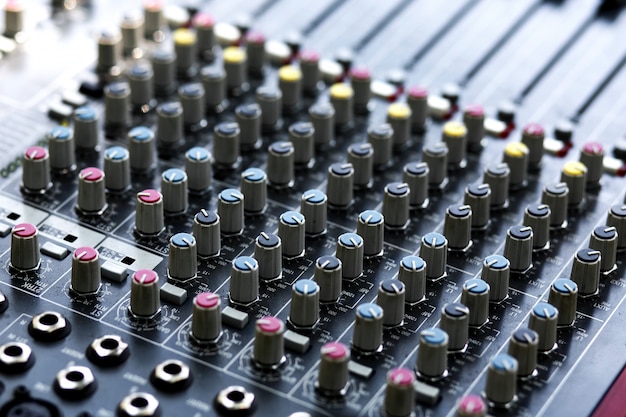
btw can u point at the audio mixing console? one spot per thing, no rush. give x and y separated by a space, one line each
294 208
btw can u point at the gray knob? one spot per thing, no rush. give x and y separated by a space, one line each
280 164
206 230
391 295
313 206
322 115
399 393
13 18
432 355
164 67
254 189
436 156
342 99
617 218
141 149
333 373
537 216
340 185
518 248
523 347
417 98
141 80
496 272
269 349
370 226
86 128
144 294
109 49
244 280
117 104
416 175
86 279
604 240
516 157
396 205
214 82
226 144
350 253
475 296
556 196
381 139
305 303
230 203
249 121
455 322
361 156
368 328
474 121
203 23
564 296
399 117
412 273
533 136
501 385
206 318
574 174
268 253
361 80
186 49
290 84
301 135
236 67
154 19
255 47
61 150
91 191
174 189
116 169
192 99
586 271
328 275
169 130
434 251
149 212
592 156
291 231
543 319
36 170
182 263
25 247
270 99
457 227
478 197
199 169
454 135
498 177
311 73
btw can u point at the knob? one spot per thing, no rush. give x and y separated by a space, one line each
543 319
290 84
523 347
249 121
417 99
399 393
36 170
199 170
361 80
311 73
109 49
206 231
475 296
574 174
116 169
518 248
396 205
537 216
478 197
328 275
86 277
13 18
434 251
186 49
182 264
501 384
86 128
416 175
342 99
144 294
255 48
496 273
458 227
91 192
214 82
270 99
322 115
206 318
436 156
280 164
592 156
192 99
291 231
313 206
361 156
61 148
432 355
164 67
498 177
617 218
141 149
564 297
391 294
226 145
340 185
455 137
368 328
333 372
269 350
412 274
132 27
174 188
235 65
455 322
24 247
381 139
350 252
516 157
244 280
533 136
301 135
230 204
471 406
268 253
586 271
474 121
604 240
117 104
370 225
141 80
154 18
305 303
399 117
556 196
149 212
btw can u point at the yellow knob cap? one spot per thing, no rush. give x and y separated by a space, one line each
184 37
516 150
454 129
341 91
398 111
234 55
289 73
574 169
